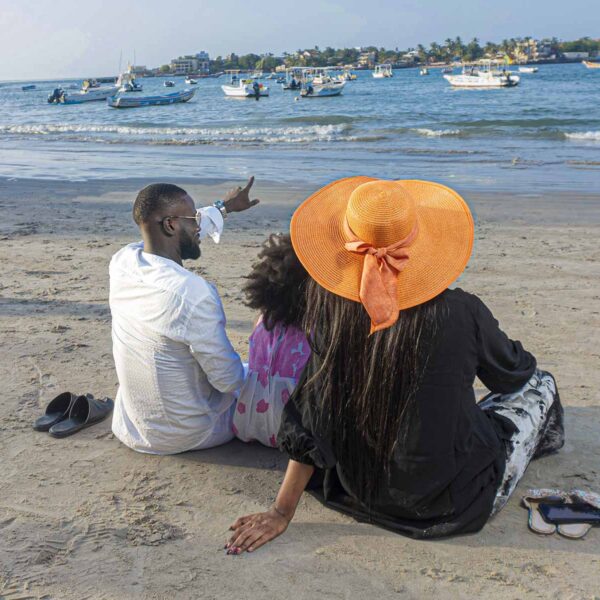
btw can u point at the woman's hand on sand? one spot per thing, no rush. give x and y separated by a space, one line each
238 199
253 531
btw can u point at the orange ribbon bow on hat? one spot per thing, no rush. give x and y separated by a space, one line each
379 280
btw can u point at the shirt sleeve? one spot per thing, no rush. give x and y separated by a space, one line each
504 365
297 436
211 347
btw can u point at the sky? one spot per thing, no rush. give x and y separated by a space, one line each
49 39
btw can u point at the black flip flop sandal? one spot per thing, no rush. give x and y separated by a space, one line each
85 411
56 411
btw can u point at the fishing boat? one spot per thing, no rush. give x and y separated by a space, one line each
61 96
591 64
383 71
322 90
29 87
191 81
169 83
126 83
243 88
528 69
348 75
129 101
485 74
293 79
319 83
424 71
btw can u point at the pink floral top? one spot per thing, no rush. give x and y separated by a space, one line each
276 361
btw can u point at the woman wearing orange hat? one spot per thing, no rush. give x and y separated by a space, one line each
384 420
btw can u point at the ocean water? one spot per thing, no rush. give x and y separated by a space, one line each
543 135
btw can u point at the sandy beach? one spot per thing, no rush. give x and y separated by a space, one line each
85 517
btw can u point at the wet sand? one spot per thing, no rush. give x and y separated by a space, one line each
85 517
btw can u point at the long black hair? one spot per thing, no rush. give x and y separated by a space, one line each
276 284
365 386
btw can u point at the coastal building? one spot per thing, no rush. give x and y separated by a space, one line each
203 62
410 57
197 63
576 55
367 59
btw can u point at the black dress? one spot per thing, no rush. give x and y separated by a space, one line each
444 479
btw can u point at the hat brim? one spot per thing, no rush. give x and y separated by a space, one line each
438 255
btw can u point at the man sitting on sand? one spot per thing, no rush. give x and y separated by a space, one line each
177 369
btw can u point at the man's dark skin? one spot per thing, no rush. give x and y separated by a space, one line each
175 235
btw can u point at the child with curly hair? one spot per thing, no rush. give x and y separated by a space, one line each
278 347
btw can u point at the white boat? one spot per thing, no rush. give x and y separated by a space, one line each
95 94
244 88
528 69
322 90
191 81
319 83
129 101
424 71
126 83
485 75
447 70
383 71
591 64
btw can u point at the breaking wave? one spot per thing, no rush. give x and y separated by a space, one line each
437 132
190 135
589 136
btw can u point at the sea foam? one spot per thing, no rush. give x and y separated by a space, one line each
590 136
437 132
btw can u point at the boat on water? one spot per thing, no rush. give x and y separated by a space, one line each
126 83
29 87
244 88
169 83
61 96
447 70
528 69
486 74
129 101
319 83
293 79
191 81
383 71
88 84
591 64
424 71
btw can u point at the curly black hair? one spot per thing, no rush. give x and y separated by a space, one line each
276 284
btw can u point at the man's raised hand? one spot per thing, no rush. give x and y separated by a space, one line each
238 199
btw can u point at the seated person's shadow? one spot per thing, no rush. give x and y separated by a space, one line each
239 454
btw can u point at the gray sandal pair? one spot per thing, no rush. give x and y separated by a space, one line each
68 413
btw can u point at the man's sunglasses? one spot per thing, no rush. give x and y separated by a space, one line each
197 218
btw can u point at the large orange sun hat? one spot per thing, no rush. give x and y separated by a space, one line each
390 245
